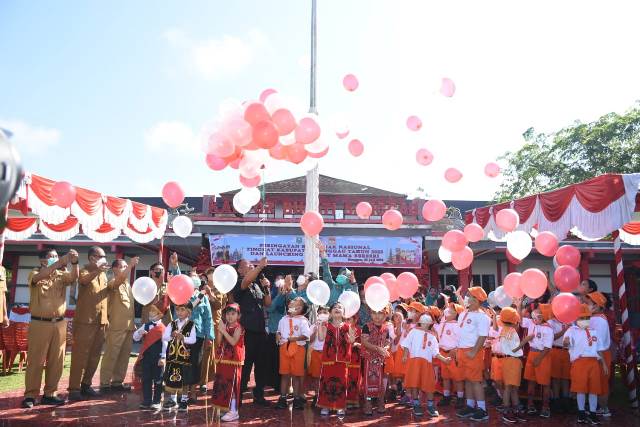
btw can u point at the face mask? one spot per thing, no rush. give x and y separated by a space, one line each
425 320
301 280
157 274
292 310
51 261
583 323
341 279
196 282
323 317
102 261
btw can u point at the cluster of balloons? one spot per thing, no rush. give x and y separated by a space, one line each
403 286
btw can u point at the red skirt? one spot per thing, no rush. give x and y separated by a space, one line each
333 386
353 390
226 385
373 377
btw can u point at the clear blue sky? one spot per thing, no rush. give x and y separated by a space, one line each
111 95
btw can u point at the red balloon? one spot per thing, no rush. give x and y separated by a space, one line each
407 284
350 82
307 131
180 289
296 153
284 121
566 278
512 285
392 286
363 210
566 307
215 163
172 194
454 240
371 280
319 155
265 94
473 232
462 259
63 194
452 175
256 113
392 219
546 243
265 134
533 283
434 210
568 255
424 157
507 220
278 152
250 182
236 155
356 148
311 223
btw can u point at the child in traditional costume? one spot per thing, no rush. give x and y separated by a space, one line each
179 335
377 336
229 360
355 366
149 358
336 355
315 365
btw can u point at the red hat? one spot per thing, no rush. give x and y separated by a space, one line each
232 306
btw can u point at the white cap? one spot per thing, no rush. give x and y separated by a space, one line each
425 319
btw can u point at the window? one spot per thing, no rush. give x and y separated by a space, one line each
487 281
339 214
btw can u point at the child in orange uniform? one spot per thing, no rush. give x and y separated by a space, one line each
420 347
597 303
414 311
510 364
587 361
447 333
316 347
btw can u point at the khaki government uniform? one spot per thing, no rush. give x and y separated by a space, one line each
168 317
119 340
47 338
89 325
217 303
3 296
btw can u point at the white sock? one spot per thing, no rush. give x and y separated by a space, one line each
471 403
447 393
460 394
232 407
593 402
581 398
482 405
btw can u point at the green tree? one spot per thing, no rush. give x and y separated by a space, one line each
578 152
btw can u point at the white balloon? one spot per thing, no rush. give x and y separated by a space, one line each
444 254
491 299
239 205
225 278
274 102
519 244
144 290
250 164
249 196
555 262
377 296
351 302
318 292
182 226
288 139
502 299
317 146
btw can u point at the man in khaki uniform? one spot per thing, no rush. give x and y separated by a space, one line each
156 272
218 301
89 325
119 340
4 315
48 329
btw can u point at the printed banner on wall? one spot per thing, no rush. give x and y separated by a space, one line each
352 251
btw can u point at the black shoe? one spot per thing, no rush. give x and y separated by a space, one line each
466 412
593 419
28 403
299 403
431 410
479 415
445 401
120 388
261 401
145 406
88 391
582 417
183 406
497 401
282 403
105 389
169 405
460 403
51 400
75 396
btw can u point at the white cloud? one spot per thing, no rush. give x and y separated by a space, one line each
173 137
31 139
219 57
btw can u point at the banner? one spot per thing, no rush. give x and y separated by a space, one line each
349 251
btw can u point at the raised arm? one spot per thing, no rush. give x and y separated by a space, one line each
252 275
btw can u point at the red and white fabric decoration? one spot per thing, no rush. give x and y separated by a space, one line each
590 210
101 218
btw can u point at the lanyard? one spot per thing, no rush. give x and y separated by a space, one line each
290 326
425 338
588 337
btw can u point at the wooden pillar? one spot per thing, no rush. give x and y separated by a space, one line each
14 280
584 266
464 278
499 272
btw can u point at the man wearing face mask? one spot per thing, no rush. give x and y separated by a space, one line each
89 324
119 338
48 328
161 301
345 280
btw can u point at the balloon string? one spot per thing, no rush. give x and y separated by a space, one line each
262 220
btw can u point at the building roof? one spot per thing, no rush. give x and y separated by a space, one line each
194 202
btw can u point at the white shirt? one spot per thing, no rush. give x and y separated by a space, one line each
166 337
557 327
581 344
542 337
600 324
528 324
406 329
293 326
316 345
496 346
508 343
415 342
448 335
137 336
473 324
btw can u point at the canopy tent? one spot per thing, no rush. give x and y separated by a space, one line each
100 217
590 210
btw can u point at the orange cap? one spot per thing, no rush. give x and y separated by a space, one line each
418 307
598 298
434 311
478 293
547 312
584 310
509 315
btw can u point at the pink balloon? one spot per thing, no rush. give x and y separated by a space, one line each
284 121
566 278
473 232
387 277
447 87
533 283
172 194
342 135
265 94
278 152
311 223
434 210
452 175
180 289
296 153
63 194
407 284
454 240
392 286
350 82
462 259
363 210
568 255
392 219
492 169
215 163
265 134
235 164
566 307
512 285
256 113
250 182
507 220
424 157
546 243
356 148
219 145
239 132
307 131
371 280
320 154
414 123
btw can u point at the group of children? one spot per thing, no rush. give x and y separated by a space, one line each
402 352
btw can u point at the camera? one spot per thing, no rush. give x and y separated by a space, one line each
11 172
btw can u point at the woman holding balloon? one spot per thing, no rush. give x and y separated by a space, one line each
344 281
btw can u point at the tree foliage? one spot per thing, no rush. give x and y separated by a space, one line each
578 152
